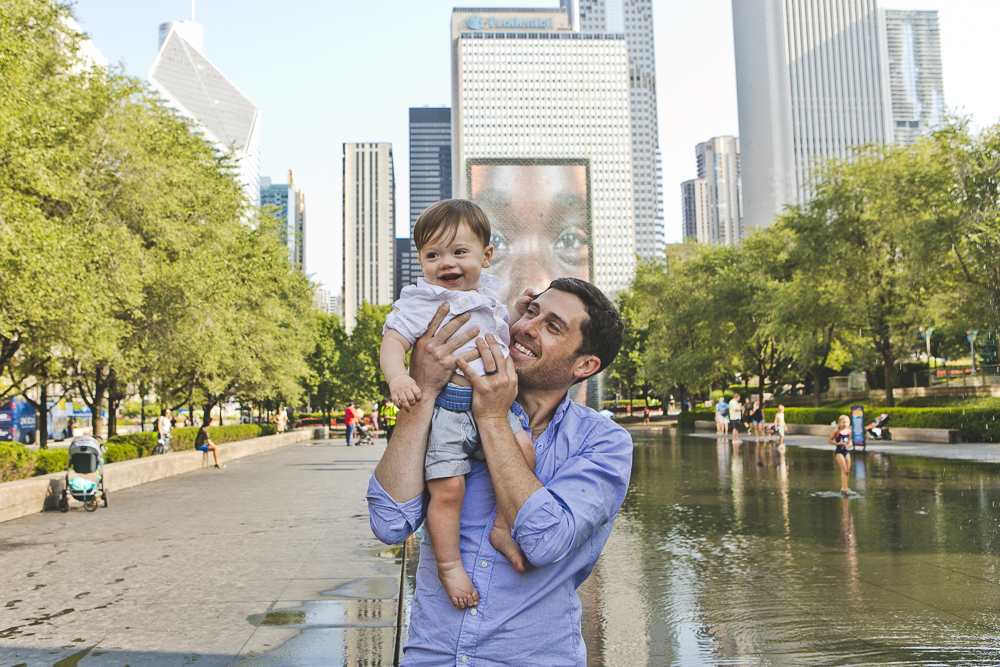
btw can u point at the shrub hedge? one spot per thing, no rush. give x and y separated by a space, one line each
976 425
16 461
51 460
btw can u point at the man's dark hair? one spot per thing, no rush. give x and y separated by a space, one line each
603 329
163 412
206 421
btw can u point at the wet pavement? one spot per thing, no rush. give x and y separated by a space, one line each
268 562
745 556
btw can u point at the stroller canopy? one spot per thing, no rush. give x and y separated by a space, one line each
85 454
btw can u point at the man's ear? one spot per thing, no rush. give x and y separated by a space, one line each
586 366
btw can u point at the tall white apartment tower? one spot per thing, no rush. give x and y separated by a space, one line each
189 83
635 19
369 227
811 82
541 112
913 39
712 203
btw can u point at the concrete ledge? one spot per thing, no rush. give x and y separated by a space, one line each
704 426
943 435
809 429
29 496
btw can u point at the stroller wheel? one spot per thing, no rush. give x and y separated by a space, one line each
63 505
90 504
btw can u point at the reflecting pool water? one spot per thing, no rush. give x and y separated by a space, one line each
746 556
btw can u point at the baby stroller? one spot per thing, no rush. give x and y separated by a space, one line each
86 457
877 430
365 438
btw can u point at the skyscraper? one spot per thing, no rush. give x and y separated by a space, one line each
197 89
541 140
914 45
291 206
299 256
369 227
811 83
713 211
635 19
430 180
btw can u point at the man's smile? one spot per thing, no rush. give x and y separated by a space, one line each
523 350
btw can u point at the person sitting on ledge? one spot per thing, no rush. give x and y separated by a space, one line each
203 443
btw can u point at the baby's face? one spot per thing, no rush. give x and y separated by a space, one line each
457 263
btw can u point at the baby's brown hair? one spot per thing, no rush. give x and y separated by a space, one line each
445 217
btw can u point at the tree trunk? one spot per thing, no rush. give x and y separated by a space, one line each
816 371
760 382
890 400
113 402
42 410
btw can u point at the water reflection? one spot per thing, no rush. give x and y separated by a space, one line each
747 556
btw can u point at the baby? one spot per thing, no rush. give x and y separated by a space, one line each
453 245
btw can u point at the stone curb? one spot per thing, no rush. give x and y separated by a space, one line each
30 496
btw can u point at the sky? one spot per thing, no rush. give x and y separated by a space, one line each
325 72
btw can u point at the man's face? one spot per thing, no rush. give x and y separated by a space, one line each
540 224
545 341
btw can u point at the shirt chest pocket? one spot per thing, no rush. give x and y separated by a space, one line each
463 302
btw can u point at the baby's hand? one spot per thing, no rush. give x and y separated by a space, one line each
405 392
523 301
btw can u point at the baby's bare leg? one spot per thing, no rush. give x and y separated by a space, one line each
500 536
444 513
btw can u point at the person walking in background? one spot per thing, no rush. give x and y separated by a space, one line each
375 420
735 416
387 413
352 417
645 414
779 427
757 419
163 428
722 416
841 440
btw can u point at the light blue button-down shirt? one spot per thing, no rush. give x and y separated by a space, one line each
584 461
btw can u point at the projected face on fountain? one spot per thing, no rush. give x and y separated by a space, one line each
540 215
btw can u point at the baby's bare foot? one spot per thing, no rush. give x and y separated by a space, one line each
457 584
502 541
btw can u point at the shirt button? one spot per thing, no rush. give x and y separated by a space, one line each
474 612
465 658
484 564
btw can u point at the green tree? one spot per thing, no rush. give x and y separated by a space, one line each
360 369
324 381
627 369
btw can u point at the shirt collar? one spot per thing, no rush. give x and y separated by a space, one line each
486 281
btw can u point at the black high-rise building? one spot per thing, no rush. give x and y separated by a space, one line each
430 180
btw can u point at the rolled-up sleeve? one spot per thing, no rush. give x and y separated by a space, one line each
393 522
585 494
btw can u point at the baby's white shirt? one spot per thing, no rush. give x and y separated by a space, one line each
418 304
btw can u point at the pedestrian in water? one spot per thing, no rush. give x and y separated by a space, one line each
735 416
779 427
722 416
757 419
841 439
645 415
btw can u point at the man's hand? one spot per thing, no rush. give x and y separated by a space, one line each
494 392
405 392
433 359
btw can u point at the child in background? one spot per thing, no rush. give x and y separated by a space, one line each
841 439
453 245
779 427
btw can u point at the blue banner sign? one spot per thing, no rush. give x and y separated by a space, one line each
857 425
490 22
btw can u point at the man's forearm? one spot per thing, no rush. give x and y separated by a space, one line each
513 480
401 470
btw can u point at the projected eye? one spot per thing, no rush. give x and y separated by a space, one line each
500 247
570 247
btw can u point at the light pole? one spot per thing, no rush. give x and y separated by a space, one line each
927 333
971 335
